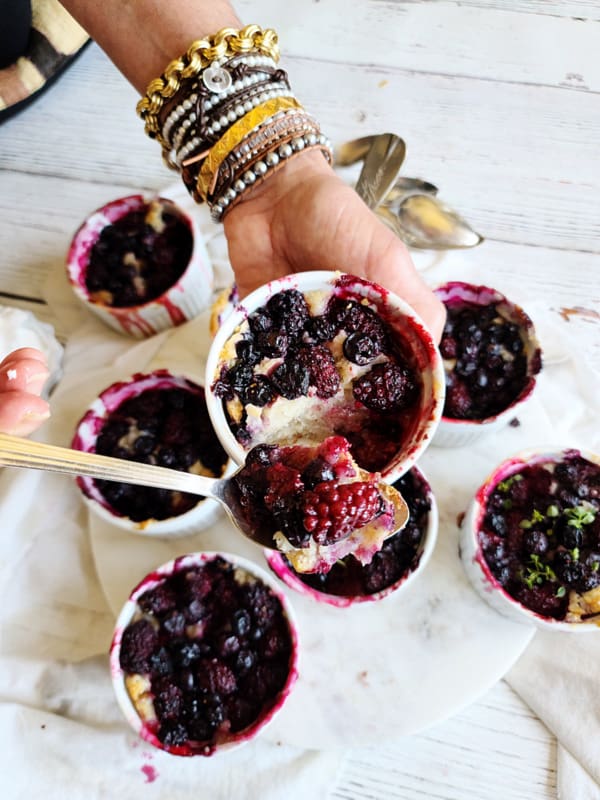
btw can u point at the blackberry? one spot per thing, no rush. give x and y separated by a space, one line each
173 733
214 676
386 387
137 645
291 379
158 600
260 321
319 363
332 511
289 311
459 402
318 330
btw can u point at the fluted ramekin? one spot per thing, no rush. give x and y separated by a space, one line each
142 718
89 428
472 543
454 432
407 328
183 301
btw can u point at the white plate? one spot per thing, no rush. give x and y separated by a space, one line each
378 669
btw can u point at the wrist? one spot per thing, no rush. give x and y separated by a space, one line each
304 167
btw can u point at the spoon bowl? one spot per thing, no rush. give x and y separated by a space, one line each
19 452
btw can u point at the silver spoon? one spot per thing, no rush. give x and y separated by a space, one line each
18 452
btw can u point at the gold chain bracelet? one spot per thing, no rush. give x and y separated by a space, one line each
225 43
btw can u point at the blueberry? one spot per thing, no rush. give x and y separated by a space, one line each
360 348
241 623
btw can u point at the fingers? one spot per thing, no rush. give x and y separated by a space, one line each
21 412
23 374
23 370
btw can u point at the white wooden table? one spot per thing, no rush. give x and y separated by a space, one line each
499 104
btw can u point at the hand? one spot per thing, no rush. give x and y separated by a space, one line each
23 374
305 217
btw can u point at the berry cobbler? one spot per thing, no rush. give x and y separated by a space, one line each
399 555
137 257
540 536
309 364
315 504
207 657
490 354
153 419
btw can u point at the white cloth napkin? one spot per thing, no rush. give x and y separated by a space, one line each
61 733
20 328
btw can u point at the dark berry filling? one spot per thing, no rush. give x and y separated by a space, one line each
399 555
168 427
286 352
139 256
217 651
486 363
305 493
541 534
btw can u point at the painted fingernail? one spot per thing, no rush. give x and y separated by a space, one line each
28 422
36 381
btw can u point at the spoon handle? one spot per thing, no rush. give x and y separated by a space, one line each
18 452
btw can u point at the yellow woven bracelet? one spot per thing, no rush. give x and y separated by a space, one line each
234 135
225 43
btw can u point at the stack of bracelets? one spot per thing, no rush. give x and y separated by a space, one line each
226 118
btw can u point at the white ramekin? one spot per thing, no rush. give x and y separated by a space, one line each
183 301
453 432
280 567
397 313
131 608
203 514
471 554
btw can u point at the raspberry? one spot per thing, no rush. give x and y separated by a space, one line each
448 347
386 387
332 511
320 365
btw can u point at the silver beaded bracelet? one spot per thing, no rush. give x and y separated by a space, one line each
261 169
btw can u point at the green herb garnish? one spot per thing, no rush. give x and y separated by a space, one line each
537 572
505 485
580 516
